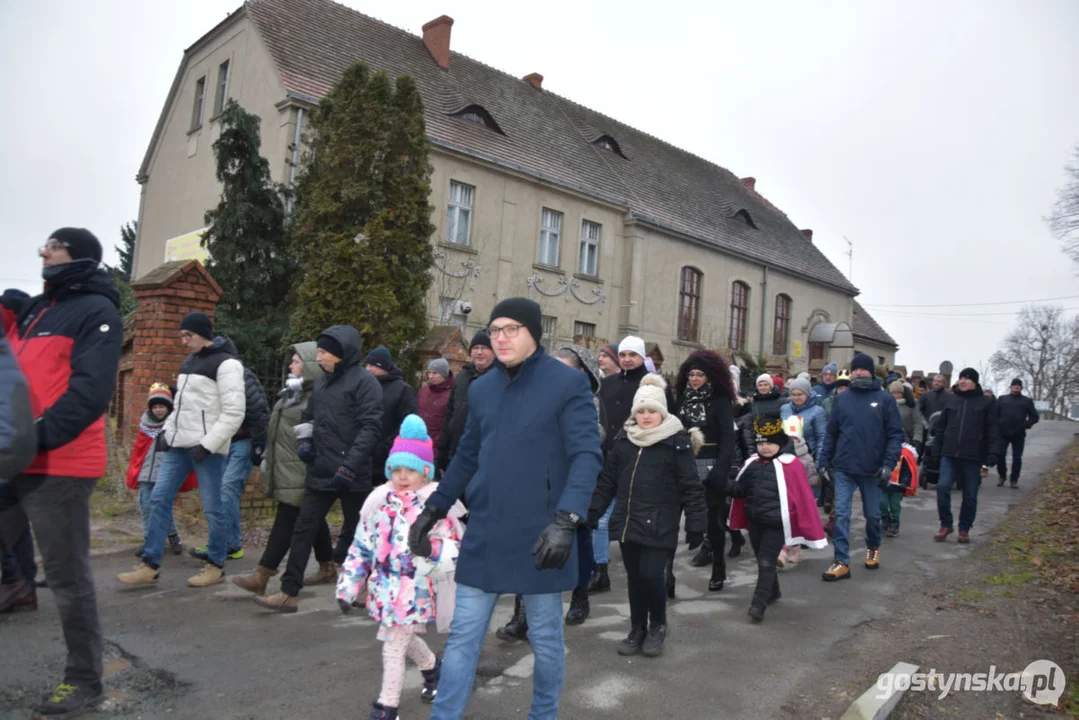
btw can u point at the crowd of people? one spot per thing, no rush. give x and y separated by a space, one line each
512 476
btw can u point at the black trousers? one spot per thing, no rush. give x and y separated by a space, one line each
1017 444
312 516
284 524
767 542
718 507
647 583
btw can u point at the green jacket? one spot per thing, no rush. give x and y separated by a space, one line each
283 477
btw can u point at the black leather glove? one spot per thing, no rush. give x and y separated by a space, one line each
345 605
695 539
884 477
256 456
161 444
306 451
555 543
199 453
343 478
419 542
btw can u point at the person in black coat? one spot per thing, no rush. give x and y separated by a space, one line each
969 434
651 475
1017 414
929 404
766 401
704 393
482 359
398 402
341 427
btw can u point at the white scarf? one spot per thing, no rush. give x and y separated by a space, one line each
640 437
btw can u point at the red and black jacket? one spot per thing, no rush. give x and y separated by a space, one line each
68 343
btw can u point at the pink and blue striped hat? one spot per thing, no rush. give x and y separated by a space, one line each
412 449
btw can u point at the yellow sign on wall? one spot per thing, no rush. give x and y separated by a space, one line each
187 247
797 349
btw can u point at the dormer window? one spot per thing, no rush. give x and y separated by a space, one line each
743 215
478 116
608 143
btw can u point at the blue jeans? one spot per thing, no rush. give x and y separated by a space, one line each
175 467
232 487
601 537
146 509
471 620
968 473
845 486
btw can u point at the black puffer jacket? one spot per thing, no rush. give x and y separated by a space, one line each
398 401
650 486
456 415
1017 415
256 413
346 409
969 426
757 483
933 401
616 395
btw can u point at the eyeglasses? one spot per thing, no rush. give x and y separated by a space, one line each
51 246
697 374
510 331
186 334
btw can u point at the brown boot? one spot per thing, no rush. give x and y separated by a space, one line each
256 581
325 575
278 602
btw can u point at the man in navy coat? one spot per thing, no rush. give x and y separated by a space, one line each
527 465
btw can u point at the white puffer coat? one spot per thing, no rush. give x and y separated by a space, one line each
210 403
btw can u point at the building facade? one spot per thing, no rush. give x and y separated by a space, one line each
612 230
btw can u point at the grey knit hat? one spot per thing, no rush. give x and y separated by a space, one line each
440 366
800 384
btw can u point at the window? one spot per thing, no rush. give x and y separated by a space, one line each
608 143
222 88
781 331
550 329
739 316
459 213
689 304
449 312
550 234
478 116
744 216
196 111
816 351
588 260
880 361
583 329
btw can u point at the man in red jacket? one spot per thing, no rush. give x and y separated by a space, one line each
67 341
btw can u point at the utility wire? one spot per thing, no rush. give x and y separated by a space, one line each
981 304
957 314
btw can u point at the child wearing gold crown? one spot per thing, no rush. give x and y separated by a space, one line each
774 501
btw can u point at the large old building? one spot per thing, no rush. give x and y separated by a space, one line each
612 230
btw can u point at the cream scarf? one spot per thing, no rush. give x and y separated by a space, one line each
640 437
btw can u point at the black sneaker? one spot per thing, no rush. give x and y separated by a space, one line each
68 701
199 553
653 641
756 613
736 550
1000 483
176 546
430 682
633 642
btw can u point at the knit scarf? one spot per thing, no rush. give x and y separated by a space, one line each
695 404
292 393
151 427
640 437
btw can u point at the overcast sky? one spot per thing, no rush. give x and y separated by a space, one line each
932 135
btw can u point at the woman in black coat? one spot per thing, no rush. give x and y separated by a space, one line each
705 395
651 475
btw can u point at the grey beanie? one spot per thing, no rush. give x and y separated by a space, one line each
440 366
831 367
799 384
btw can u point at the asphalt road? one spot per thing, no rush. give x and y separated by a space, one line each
177 652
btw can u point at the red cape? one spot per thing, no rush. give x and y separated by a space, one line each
138 457
801 520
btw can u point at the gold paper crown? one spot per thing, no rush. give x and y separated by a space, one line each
764 427
159 386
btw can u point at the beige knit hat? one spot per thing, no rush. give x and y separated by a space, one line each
651 395
896 386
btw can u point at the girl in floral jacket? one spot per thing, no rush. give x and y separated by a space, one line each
404 592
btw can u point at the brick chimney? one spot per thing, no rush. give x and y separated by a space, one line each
535 80
436 38
808 234
750 182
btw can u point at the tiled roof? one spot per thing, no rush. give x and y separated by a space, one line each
864 326
313 41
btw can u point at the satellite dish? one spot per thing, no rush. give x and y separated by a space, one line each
946 368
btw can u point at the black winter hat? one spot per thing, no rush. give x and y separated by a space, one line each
380 357
481 338
970 374
1016 381
862 361
525 311
80 243
198 323
331 345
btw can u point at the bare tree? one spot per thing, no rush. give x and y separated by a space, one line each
1064 220
1043 350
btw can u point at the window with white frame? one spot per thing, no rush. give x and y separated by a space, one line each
459 213
196 109
550 236
583 329
222 88
550 329
588 259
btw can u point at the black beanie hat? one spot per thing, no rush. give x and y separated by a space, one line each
1016 381
525 311
198 323
481 338
970 374
80 243
380 357
331 345
861 361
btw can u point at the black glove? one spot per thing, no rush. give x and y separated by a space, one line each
345 605
884 477
342 479
695 539
992 460
306 451
256 456
161 444
555 543
593 519
199 453
419 541
825 475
